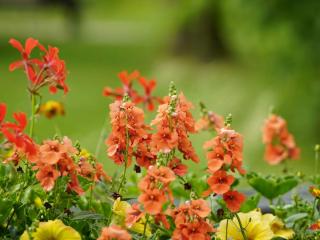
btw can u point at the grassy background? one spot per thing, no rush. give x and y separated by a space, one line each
113 37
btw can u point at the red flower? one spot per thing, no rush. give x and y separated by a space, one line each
3 111
148 87
46 71
15 135
234 199
30 44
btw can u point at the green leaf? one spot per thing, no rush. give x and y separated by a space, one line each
290 221
5 209
271 187
251 203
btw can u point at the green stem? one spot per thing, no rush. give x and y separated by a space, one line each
123 178
145 226
241 227
227 229
33 110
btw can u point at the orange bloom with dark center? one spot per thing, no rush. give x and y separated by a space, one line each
114 233
234 199
152 200
220 182
165 140
210 121
47 176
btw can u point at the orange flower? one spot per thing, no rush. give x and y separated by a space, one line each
220 182
174 122
152 200
47 176
114 233
74 184
200 208
165 140
280 144
51 151
197 230
189 221
233 199
128 130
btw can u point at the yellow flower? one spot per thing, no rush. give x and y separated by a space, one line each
55 230
277 226
25 236
139 227
315 191
51 109
38 202
257 227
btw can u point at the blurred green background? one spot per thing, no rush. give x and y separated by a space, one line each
236 56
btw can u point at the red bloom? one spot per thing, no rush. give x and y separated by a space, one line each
15 135
46 71
3 111
234 199
30 44
148 87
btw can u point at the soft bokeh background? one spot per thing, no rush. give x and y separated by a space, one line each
237 56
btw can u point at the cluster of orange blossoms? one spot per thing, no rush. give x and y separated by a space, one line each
224 153
128 131
190 222
155 189
14 133
56 158
127 80
280 143
49 70
114 232
174 122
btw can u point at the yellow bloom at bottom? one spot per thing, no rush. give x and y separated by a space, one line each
53 230
256 225
255 229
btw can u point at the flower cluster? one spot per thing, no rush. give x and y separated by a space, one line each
128 131
127 80
174 122
190 222
224 153
55 158
155 189
49 70
14 133
280 143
